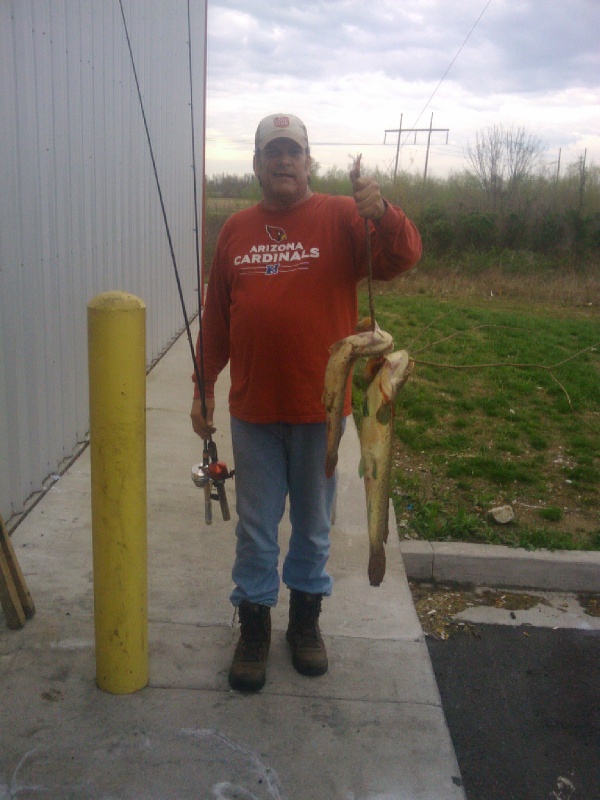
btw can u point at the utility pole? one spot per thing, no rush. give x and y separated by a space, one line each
397 147
402 130
582 177
428 143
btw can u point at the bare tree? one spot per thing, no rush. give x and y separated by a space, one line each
503 158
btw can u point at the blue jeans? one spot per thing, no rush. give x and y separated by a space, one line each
272 461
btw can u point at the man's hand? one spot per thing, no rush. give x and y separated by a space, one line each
203 427
367 197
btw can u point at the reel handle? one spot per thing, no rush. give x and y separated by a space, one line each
207 504
221 494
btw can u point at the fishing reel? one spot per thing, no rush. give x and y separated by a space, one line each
210 475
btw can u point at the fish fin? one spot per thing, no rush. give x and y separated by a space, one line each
384 413
361 468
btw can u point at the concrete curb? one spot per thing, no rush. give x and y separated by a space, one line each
500 566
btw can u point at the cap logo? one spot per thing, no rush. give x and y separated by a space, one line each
281 122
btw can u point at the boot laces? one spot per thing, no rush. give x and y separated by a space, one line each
254 633
307 620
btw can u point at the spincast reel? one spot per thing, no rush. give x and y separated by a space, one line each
210 475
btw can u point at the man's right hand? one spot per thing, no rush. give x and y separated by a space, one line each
203 427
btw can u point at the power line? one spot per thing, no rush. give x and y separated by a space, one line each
458 148
460 49
227 140
414 129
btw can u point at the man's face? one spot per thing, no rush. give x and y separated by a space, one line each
283 169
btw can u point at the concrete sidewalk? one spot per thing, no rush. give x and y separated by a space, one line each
372 728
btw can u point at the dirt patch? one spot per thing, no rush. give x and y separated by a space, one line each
437 607
590 604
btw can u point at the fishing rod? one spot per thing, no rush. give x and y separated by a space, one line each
210 473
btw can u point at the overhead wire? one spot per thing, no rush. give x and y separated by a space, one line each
458 52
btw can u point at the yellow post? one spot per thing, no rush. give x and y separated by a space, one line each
117 378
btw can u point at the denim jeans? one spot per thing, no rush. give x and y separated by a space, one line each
273 461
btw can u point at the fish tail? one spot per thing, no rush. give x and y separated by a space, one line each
330 464
376 565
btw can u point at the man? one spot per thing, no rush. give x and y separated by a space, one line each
282 289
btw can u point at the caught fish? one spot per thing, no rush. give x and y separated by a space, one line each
388 374
343 354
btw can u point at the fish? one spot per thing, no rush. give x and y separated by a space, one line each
387 375
343 354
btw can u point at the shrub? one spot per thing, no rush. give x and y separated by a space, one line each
548 233
475 231
515 231
437 230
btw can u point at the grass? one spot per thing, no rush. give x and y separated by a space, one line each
467 440
470 439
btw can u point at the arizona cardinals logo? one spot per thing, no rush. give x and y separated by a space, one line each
276 234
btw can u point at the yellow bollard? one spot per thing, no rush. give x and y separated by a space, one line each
117 379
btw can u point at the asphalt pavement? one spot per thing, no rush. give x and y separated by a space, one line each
519 676
523 707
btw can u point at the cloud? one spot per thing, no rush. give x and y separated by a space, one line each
350 69
544 46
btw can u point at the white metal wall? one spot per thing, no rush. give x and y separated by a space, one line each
79 210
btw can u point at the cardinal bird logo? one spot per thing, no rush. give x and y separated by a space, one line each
276 234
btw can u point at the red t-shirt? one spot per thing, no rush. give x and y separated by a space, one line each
282 289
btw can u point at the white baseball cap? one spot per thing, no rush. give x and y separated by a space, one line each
281 126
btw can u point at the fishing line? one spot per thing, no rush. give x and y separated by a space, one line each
210 473
459 51
199 376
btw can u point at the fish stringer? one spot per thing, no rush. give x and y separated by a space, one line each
355 173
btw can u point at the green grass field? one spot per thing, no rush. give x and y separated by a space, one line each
512 431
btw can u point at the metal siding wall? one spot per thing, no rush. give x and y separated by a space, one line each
79 209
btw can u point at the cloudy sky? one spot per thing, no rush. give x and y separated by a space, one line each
351 68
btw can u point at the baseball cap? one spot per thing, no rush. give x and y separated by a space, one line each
281 126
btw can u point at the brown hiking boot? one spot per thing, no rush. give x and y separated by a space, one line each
309 655
249 664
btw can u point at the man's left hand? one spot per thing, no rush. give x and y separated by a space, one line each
367 197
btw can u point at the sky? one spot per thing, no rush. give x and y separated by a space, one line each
352 69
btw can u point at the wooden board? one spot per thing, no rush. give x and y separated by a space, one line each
15 597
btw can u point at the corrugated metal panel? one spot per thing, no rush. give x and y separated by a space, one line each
79 209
